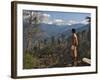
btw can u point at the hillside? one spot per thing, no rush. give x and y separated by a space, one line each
54 50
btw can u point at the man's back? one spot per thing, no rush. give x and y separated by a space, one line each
74 39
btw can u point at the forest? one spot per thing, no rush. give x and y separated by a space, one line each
43 48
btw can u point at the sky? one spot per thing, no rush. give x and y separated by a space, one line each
67 15
54 17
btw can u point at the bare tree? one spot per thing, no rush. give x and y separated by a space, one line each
33 30
89 33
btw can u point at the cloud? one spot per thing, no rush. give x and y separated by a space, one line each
50 22
58 21
71 22
46 18
46 15
84 21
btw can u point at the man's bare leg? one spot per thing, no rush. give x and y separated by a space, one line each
75 57
75 61
72 55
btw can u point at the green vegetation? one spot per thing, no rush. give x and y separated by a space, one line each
55 51
29 61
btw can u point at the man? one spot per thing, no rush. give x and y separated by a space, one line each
74 44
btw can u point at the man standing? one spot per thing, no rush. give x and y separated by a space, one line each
74 44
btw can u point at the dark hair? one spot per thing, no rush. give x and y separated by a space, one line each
73 30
